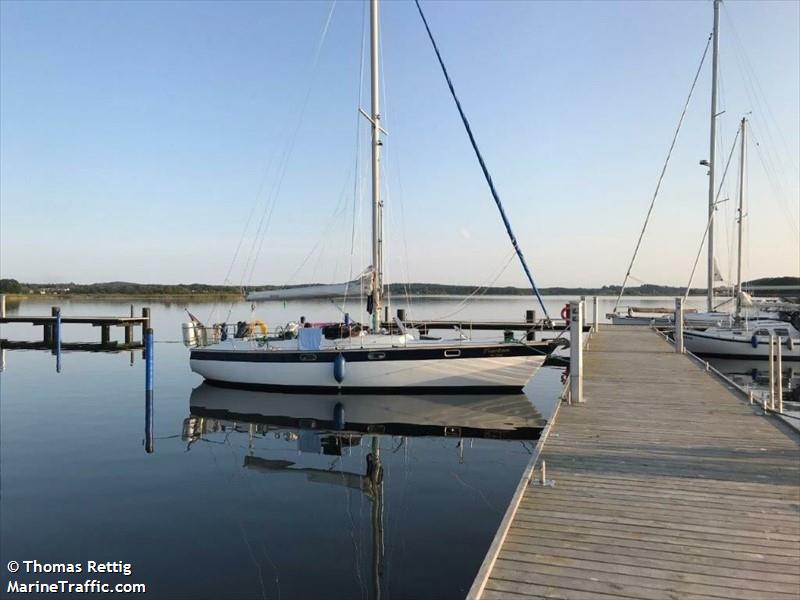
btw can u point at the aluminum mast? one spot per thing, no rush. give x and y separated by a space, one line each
712 160
741 218
377 206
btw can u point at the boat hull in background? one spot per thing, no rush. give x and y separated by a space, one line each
713 345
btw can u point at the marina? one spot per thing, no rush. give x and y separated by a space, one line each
392 343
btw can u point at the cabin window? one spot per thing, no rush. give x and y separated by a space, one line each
783 332
762 332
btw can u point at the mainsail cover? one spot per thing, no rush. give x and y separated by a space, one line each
321 291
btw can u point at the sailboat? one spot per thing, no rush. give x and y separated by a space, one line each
712 316
746 338
353 358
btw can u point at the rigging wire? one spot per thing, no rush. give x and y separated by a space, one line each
266 217
484 168
663 172
357 197
711 217
461 305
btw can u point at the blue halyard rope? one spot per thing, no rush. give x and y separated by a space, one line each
483 164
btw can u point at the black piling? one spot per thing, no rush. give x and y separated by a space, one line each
149 380
56 311
530 317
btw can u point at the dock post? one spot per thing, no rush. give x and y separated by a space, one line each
129 330
596 314
105 334
779 376
148 364
2 305
145 327
576 351
146 322
679 347
148 422
530 317
772 372
57 337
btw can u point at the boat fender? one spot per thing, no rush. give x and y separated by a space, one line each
338 416
754 341
565 312
339 368
790 344
261 326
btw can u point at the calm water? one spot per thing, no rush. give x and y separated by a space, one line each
251 495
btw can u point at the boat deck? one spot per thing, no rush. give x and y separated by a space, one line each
665 484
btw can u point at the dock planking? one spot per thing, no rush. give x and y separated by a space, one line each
667 484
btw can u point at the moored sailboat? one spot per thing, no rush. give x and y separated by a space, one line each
353 358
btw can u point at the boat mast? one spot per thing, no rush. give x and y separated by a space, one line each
741 218
377 207
712 160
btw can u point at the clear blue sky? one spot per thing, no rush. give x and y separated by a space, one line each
136 138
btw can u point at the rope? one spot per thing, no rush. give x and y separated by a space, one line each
485 170
710 218
663 172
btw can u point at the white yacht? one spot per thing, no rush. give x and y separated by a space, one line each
749 340
385 358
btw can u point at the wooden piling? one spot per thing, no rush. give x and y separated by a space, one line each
530 317
576 351
145 323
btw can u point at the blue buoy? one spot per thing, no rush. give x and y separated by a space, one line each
339 368
338 416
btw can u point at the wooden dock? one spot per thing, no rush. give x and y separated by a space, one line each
48 323
665 484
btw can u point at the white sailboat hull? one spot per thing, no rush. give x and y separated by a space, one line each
473 369
713 344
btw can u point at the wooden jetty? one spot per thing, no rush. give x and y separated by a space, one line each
665 483
49 323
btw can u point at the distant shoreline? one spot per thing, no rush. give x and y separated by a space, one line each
126 290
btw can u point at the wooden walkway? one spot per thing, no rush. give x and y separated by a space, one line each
666 485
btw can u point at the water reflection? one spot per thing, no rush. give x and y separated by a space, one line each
287 432
754 375
495 416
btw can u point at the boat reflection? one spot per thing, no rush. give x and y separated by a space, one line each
312 420
754 375
334 425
